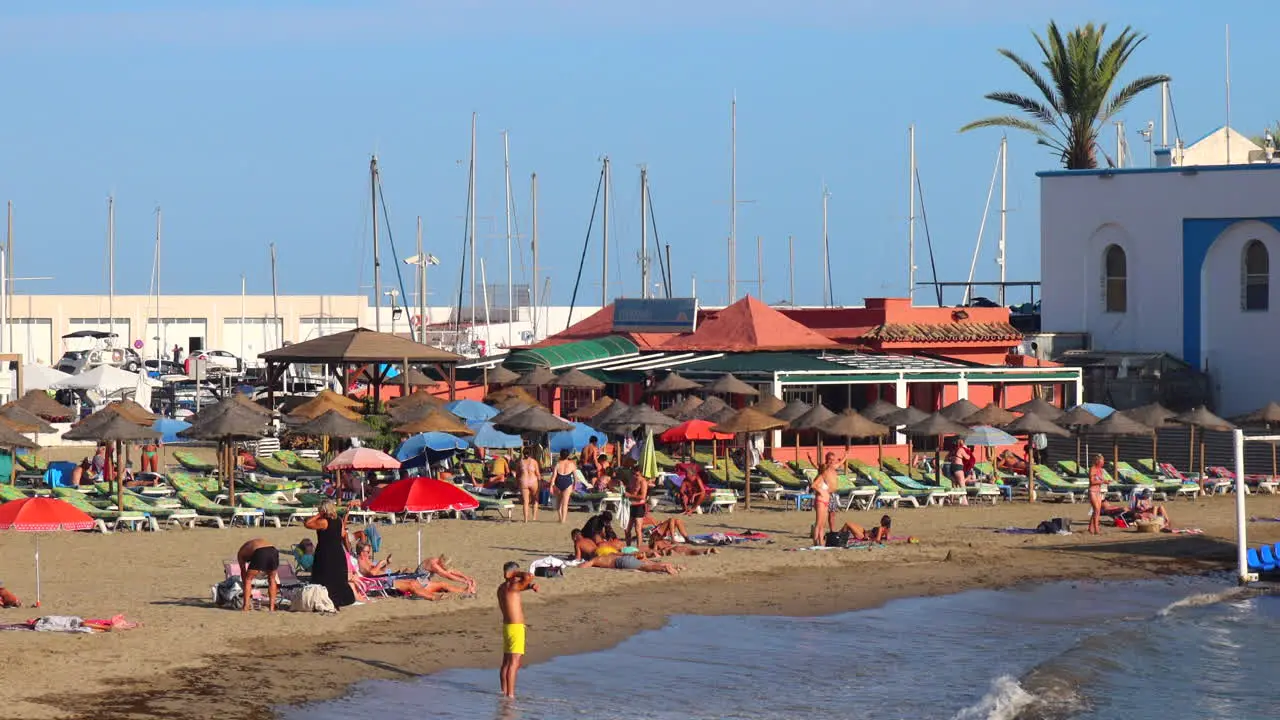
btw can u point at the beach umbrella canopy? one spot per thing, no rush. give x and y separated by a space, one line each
501 376
575 379
1031 423
573 440
334 398
641 415
1098 410
988 436
415 445
749 420
334 424
24 421
722 416
769 404
729 384
959 410
436 420
414 398
1118 424
471 410
1038 406
41 377
812 419
674 383
537 377
422 494
587 412
39 515
649 456
110 426
135 412
39 403
1266 415
488 436
937 424
413 413
10 438
615 409
1078 417
233 424
1201 417
321 404
992 415
692 431
904 416
169 429
793 410
534 420
850 424
509 411
707 408
879 409
501 398
363 458
1153 415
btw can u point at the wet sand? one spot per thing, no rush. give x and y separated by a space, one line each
192 660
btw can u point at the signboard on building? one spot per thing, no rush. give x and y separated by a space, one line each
674 315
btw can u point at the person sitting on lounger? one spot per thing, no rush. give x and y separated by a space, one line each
631 562
405 581
693 491
1144 509
878 534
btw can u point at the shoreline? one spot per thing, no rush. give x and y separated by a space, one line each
191 660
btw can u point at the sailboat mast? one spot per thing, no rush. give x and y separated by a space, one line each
278 330
911 216
111 263
644 232
533 203
826 255
1004 187
9 265
161 335
511 297
604 255
422 288
242 303
733 201
377 260
471 222
760 267
791 270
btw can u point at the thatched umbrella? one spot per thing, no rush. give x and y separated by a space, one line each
1039 406
587 412
674 383
959 410
849 424
500 398
1119 425
11 440
903 416
409 414
768 404
722 416
333 424
879 409
616 409
1077 419
133 411
937 425
502 376
537 377
415 398
229 426
744 423
1266 417
321 404
531 420
1029 424
992 415
575 379
1154 416
24 421
640 415
684 409
436 420
793 410
114 427
511 410
810 420
709 407
1201 418
39 403
729 384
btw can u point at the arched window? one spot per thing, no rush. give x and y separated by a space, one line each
1116 279
1255 288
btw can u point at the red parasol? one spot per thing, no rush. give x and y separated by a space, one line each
692 430
39 515
422 494
363 459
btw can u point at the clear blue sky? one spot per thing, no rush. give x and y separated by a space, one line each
253 125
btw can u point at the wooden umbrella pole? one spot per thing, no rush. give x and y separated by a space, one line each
1115 456
13 466
1273 461
746 453
119 476
1155 449
1191 451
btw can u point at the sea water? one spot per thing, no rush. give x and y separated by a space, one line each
1168 649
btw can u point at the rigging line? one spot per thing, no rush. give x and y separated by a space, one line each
982 228
1177 133
924 218
386 218
662 266
462 266
585 244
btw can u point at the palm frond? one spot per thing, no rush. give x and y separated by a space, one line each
1006 121
1031 107
1128 92
1041 84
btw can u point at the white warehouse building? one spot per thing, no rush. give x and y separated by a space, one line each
1173 259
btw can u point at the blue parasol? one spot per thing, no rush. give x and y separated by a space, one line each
573 440
415 445
487 436
989 436
471 410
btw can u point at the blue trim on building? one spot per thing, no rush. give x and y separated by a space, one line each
1188 169
1198 235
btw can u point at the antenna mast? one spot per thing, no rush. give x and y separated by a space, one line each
111 263
1228 125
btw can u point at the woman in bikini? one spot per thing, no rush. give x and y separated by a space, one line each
1097 483
565 475
530 476
824 486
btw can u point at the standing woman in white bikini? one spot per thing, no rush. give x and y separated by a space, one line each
530 476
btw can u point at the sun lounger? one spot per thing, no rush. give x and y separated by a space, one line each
183 482
501 506
32 463
1055 488
721 500
272 466
892 493
311 466
782 475
189 461
207 508
1138 479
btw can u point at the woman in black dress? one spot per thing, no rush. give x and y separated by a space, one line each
330 566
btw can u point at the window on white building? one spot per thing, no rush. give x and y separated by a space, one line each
1255 288
1115 279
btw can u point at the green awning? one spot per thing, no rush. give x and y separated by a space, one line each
573 353
765 363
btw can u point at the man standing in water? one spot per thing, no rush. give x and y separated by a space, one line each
512 608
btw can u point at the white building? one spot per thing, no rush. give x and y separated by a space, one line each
1171 259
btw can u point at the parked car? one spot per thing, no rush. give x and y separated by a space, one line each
222 361
102 350
161 368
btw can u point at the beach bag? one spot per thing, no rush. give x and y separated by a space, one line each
313 598
837 539
1054 526
229 593
548 567
373 537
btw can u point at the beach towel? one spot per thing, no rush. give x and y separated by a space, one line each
1184 531
59 623
115 623
1018 531
1264 519
549 561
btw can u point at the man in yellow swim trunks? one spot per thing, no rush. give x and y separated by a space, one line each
512 608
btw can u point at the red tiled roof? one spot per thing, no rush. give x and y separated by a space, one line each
750 325
600 324
955 332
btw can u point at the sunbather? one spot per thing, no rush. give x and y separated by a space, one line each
259 557
671 529
406 581
1144 509
877 534
584 548
631 562
665 548
693 491
438 567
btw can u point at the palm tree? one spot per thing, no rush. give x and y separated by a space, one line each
1075 107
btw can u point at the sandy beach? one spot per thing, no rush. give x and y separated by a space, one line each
191 660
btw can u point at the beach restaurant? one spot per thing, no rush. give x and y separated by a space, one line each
890 350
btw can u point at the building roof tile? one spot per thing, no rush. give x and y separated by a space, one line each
750 325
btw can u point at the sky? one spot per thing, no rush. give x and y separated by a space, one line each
251 123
